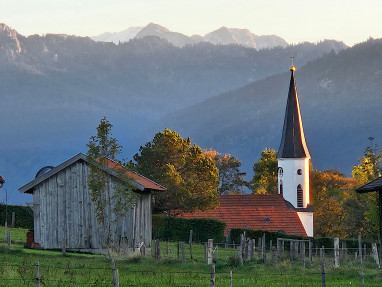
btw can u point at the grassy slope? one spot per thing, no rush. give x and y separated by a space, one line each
17 269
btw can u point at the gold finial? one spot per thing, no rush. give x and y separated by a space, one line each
292 67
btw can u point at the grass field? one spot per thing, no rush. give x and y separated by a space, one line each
17 268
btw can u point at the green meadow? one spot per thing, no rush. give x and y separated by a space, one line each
17 268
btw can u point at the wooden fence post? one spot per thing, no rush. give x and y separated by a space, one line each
205 251
240 249
362 279
278 247
13 219
336 252
157 249
212 275
302 253
209 251
259 248
364 253
323 279
177 249
37 278
115 274
360 248
263 249
190 242
375 255
274 257
292 250
310 251
230 278
183 252
9 239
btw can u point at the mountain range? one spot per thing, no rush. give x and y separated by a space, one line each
54 90
221 36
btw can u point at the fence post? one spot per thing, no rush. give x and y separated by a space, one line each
240 249
183 252
230 278
310 251
13 219
336 252
263 249
364 253
177 249
190 242
362 279
375 255
212 275
167 248
278 247
302 253
205 251
115 274
360 248
209 251
274 257
323 280
9 239
292 250
157 249
37 278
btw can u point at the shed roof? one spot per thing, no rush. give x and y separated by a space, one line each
375 185
293 140
254 211
142 183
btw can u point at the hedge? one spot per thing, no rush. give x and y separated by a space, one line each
327 242
178 229
23 216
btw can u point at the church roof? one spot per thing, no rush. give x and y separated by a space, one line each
254 211
293 140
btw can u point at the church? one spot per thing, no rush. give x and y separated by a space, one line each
289 211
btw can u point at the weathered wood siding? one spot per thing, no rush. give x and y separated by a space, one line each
65 215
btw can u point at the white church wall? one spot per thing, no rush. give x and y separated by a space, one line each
306 219
290 179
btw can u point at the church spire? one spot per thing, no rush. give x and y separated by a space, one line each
293 140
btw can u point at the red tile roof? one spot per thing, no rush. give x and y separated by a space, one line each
252 211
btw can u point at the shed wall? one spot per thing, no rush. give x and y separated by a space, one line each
64 214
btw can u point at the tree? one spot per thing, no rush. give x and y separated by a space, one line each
264 180
190 177
330 190
102 148
367 170
231 180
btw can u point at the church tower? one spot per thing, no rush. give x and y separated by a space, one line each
293 161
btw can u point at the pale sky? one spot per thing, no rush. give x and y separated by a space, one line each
351 21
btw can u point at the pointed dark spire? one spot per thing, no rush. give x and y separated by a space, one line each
293 140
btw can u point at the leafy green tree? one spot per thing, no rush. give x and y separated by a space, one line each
190 177
101 149
367 170
264 180
231 179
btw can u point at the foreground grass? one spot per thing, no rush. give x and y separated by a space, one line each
17 268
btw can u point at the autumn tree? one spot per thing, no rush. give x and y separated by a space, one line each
264 180
102 148
190 177
367 170
231 179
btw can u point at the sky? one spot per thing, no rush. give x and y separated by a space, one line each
350 21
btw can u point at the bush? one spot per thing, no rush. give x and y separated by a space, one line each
178 229
23 219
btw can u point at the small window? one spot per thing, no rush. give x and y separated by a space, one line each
267 220
300 202
281 187
299 171
280 171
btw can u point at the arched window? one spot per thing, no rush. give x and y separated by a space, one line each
300 202
281 187
299 171
280 171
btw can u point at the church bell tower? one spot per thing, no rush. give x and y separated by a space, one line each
293 161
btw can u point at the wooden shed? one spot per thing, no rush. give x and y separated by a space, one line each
64 215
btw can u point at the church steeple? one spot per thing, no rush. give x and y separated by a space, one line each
293 161
293 140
